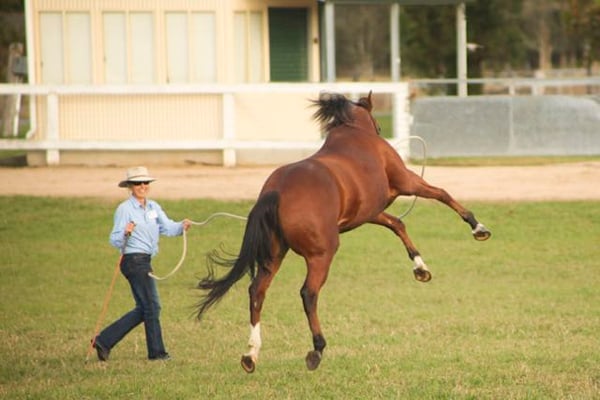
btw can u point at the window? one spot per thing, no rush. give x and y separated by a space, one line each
142 48
129 54
66 48
249 49
177 47
128 49
115 48
204 47
191 47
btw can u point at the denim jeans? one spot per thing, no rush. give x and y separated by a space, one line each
135 268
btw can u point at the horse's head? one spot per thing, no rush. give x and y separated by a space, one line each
335 110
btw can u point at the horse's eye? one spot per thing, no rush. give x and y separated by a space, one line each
377 127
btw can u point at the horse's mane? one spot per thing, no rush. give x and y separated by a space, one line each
334 110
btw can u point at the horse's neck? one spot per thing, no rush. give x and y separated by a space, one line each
348 133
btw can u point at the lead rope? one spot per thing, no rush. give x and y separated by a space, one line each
184 252
106 301
424 147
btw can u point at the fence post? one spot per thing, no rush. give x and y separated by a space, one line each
461 49
228 129
401 120
52 126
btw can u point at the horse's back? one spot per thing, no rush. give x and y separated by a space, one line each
362 164
345 183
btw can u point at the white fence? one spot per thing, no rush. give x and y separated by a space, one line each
228 135
512 86
47 135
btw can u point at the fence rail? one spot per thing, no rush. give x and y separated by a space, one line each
53 140
515 86
47 135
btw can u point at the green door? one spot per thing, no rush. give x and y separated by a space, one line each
288 43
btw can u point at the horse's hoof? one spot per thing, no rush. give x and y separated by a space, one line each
313 358
248 363
481 233
422 275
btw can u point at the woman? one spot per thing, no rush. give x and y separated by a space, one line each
138 222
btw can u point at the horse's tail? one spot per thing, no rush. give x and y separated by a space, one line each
262 227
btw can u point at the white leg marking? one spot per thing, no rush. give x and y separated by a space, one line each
419 263
478 228
255 341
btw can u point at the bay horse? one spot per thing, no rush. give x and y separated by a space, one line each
306 205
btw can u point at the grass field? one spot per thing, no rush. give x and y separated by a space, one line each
516 317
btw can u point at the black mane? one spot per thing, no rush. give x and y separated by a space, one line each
334 110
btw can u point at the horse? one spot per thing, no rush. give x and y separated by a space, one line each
305 206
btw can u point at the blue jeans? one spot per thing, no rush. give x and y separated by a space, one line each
135 267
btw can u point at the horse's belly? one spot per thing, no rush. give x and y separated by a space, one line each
360 204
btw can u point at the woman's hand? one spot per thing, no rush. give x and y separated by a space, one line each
129 228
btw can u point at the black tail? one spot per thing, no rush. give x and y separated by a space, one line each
261 228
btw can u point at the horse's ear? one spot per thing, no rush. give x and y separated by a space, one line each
369 102
366 102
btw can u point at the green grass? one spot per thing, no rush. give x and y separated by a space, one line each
516 317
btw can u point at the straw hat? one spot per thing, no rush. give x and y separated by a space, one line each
136 174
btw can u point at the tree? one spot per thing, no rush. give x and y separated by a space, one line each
428 41
362 40
581 20
12 29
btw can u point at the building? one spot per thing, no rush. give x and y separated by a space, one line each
186 77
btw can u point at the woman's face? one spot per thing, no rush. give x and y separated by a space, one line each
139 189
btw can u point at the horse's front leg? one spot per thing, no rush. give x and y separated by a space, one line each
420 269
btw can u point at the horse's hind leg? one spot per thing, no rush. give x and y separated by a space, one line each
257 292
318 268
419 187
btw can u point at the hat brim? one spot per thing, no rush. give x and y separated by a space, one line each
126 182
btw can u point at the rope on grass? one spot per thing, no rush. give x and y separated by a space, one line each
184 251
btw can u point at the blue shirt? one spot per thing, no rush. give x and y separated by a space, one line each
150 222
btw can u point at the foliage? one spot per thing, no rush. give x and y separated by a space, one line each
510 37
428 42
515 317
358 44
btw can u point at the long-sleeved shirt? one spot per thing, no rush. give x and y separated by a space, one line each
150 222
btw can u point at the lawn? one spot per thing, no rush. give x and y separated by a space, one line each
516 317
